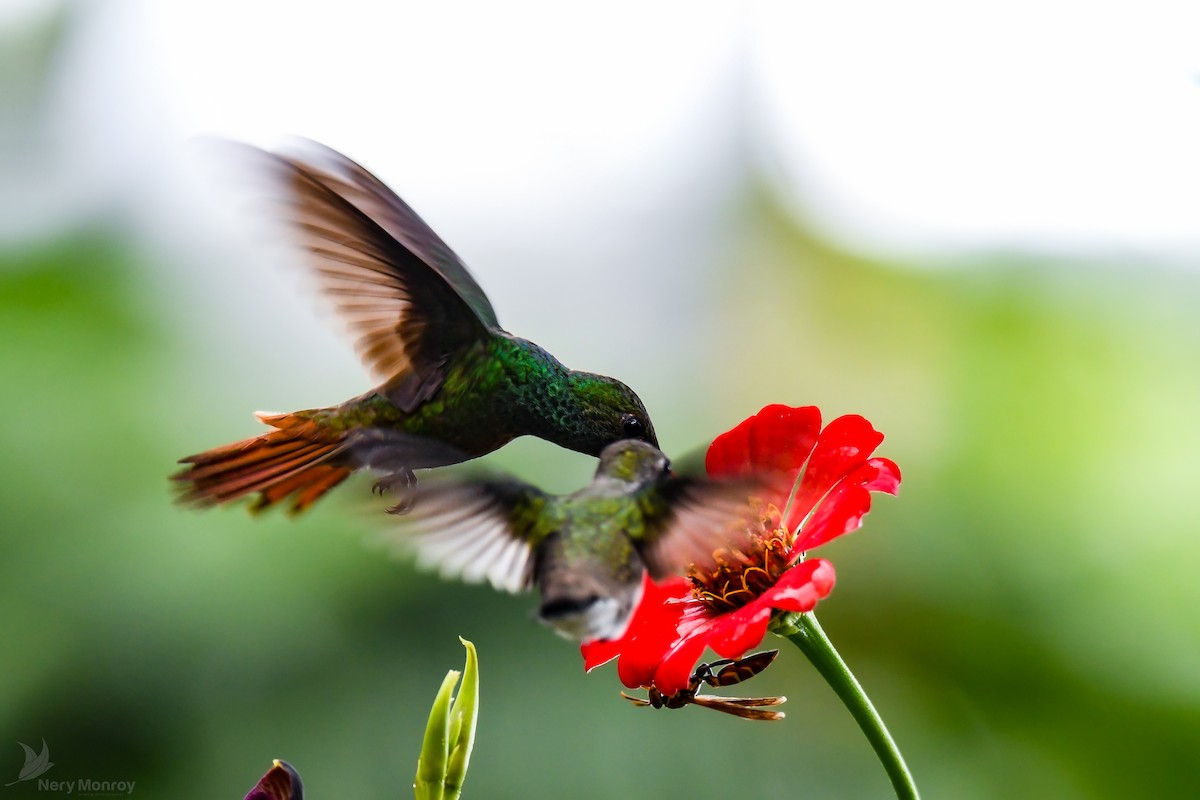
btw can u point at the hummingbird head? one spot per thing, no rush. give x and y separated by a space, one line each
633 462
606 411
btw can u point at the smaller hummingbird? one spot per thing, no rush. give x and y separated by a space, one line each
453 384
585 552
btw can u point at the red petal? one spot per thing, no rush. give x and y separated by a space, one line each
782 437
598 652
801 587
676 668
636 667
776 439
888 479
843 508
845 443
652 630
734 633
729 454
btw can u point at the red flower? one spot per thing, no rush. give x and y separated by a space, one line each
728 608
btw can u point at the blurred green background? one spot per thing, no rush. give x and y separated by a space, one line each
1024 614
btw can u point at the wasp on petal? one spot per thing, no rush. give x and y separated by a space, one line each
725 672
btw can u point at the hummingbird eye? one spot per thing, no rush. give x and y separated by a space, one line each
633 427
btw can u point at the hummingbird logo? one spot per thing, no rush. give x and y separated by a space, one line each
35 763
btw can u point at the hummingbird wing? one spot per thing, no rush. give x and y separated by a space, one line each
477 528
403 292
369 195
687 520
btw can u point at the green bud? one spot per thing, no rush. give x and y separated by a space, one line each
449 735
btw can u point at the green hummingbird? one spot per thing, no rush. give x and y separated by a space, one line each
453 384
585 553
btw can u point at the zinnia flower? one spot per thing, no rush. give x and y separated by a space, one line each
727 608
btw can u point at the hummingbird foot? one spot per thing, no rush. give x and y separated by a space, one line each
403 482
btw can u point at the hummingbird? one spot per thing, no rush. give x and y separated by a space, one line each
585 553
453 385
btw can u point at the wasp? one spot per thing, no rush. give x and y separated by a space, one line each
725 672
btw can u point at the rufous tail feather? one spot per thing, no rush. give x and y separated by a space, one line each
298 458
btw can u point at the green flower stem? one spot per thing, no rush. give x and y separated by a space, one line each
806 633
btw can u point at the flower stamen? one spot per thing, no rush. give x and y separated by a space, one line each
738 576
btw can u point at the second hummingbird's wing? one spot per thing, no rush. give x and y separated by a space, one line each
476 529
690 519
403 292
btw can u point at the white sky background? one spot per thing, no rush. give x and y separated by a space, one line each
919 126
915 127
1058 125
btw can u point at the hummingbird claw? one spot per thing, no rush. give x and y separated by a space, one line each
403 507
403 478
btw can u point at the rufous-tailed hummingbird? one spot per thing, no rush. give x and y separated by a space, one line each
454 385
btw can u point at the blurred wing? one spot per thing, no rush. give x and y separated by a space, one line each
477 529
370 196
378 263
695 518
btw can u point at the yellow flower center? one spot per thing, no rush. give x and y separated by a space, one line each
740 575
